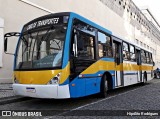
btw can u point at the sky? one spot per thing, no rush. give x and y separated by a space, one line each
153 5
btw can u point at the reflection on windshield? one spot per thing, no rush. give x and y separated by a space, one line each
41 49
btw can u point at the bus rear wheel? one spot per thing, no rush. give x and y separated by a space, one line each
104 87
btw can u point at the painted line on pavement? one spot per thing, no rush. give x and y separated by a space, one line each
112 96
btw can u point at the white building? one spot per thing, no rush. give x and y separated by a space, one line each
122 17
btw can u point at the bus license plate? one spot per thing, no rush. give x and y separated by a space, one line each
30 89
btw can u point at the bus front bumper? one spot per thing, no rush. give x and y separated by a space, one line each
42 91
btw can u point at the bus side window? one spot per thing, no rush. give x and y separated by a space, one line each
147 58
151 60
126 55
105 45
143 56
132 53
138 56
85 46
84 41
116 54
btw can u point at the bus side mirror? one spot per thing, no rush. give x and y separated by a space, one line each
6 36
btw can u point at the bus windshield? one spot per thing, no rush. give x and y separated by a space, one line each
41 49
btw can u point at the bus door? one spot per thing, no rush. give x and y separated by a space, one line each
138 58
117 49
82 56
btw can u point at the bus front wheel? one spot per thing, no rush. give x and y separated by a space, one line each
104 87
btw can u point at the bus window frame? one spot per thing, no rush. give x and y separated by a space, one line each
83 32
135 59
148 57
111 44
151 59
94 41
128 57
142 56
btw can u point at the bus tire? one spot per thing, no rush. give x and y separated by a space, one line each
103 87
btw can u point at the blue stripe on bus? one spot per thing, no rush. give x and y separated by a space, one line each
87 86
65 82
130 73
108 59
66 49
78 90
15 54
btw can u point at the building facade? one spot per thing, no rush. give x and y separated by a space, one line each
122 17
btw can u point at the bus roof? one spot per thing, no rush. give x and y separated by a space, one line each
130 42
72 15
48 16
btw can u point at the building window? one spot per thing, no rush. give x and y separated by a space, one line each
137 41
141 43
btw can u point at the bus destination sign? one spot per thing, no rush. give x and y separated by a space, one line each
44 22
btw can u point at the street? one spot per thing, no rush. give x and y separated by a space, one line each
136 97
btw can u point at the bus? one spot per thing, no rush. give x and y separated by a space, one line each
65 55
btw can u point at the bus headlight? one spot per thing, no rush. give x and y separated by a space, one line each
15 80
55 80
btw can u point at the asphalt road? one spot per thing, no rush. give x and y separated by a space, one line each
132 99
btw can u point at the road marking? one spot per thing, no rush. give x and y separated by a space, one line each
104 99
112 96
80 107
94 102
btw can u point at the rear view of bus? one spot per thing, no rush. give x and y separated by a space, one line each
38 69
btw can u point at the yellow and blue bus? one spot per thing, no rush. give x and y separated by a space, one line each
65 55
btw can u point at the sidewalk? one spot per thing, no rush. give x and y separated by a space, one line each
6 90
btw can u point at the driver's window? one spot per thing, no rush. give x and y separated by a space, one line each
83 45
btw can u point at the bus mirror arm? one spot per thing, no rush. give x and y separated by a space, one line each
5 44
